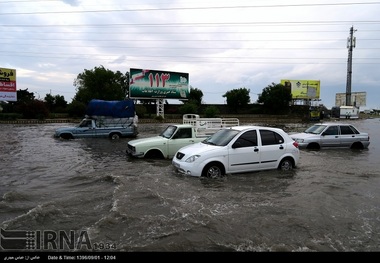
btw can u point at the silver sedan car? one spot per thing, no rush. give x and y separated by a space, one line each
323 135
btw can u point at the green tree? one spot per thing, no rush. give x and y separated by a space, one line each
275 98
195 96
101 83
49 101
55 103
35 109
60 103
76 109
28 106
237 98
24 96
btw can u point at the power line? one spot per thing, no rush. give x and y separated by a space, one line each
187 8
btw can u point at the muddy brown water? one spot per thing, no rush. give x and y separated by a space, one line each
331 202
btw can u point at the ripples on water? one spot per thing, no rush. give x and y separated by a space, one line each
329 203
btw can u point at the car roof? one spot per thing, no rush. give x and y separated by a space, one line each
333 123
246 127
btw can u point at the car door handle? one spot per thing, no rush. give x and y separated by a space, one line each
256 150
281 147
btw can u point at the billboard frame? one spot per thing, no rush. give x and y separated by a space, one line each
8 87
158 84
303 89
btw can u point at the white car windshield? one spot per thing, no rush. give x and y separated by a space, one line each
168 132
315 129
221 137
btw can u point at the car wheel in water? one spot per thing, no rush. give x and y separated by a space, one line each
213 170
115 136
286 165
153 154
66 136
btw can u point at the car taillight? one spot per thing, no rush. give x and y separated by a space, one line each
295 144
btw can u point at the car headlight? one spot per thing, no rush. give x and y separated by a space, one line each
192 158
298 140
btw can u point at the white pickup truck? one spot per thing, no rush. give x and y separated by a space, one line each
194 129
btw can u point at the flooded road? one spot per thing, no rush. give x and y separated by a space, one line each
331 202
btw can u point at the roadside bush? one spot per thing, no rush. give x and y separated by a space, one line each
159 118
140 110
188 108
35 109
211 112
76 109
10 116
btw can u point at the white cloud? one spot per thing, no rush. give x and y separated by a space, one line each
223 45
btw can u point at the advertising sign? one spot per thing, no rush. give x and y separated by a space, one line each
146 83
303 89
8 91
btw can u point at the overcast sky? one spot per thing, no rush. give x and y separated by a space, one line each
223 45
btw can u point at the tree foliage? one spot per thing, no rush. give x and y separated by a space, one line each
275 98
55 103
195 96
189 108
101 83
76 109
27 106
237 98
211 112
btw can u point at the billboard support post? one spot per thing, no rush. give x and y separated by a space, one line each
160 107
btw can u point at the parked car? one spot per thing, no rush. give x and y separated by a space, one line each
165 145
236 150
194 129
323 135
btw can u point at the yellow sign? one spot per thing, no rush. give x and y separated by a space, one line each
8 88
303 89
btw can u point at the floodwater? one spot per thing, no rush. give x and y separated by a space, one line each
331 202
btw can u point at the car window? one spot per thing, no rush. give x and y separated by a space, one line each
315 129
354 129
168 132
221 137
270 137
86 123
247 139
332 130
183 133
345 129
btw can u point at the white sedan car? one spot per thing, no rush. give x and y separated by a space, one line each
329 135
236 150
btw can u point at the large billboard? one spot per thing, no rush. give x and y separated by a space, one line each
147 83
358 99
303 89
8 90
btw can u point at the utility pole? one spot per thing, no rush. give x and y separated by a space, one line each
351 41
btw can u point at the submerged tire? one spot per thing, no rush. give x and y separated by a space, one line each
66 136
154 154
115 136
213 170
285 164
